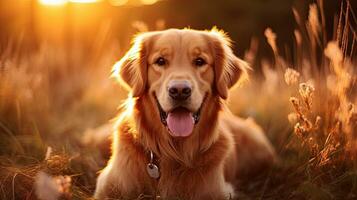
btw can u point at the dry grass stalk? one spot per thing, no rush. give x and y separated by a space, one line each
306 92
307 128
313 31
271 78
250 54
291 76
297 16
271 38
332 143
298 38
345 34
341 76
340 133
323 20
313 21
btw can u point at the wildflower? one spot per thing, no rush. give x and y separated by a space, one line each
299 130
291 76
306 92
57 163
296 104
317 122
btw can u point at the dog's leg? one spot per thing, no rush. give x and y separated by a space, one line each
119 183
102 186
125 175
222 191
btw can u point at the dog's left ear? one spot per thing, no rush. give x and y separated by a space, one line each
131 70
229 69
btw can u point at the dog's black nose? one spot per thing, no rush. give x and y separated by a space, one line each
179 90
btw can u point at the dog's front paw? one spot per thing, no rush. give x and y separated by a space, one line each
229 192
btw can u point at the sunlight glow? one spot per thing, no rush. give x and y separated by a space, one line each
118 2
63 2
149 2
53 2
84 1
112 2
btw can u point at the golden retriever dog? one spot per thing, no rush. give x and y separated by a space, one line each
177 139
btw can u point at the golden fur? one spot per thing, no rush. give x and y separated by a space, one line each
221 146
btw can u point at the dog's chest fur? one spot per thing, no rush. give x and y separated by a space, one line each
176 179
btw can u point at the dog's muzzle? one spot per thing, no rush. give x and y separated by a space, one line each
179 121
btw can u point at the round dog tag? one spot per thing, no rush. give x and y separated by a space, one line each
153 170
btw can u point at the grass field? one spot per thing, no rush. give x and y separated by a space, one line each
307 105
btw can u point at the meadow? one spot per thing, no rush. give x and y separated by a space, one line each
51 98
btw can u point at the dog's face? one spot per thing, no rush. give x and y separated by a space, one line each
179 69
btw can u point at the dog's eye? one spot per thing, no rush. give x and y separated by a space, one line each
199 62
161 61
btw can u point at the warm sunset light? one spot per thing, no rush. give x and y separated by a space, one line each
63 2
53 2
112 2
149 2
137 99
118 2
84 1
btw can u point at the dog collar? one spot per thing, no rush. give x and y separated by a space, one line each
151 168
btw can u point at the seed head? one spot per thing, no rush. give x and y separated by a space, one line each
291 76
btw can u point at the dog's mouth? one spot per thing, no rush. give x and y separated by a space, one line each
179 121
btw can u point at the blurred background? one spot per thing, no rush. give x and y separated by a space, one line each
81 22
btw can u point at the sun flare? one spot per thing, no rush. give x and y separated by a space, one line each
84 1
63 2
118 2
53 2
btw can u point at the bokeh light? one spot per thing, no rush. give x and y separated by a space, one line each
63 2
118 2
84 1
53 2
149 2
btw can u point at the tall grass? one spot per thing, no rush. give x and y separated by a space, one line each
50 96
316 95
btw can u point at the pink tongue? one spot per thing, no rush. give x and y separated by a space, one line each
180 122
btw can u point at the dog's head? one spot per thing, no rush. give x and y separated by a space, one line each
180 69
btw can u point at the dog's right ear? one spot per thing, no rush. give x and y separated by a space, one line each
131 70
229 69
